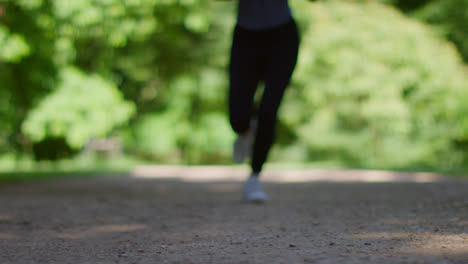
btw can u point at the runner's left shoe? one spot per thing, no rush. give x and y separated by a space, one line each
253 191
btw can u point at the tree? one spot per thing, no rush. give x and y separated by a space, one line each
26 69
451 18
137 46
374 88
448 16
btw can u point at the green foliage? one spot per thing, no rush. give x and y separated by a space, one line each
210 139
168 137
408 5
26 70
191 125
451 17
137 44
13 47
375 89
158 135
82 107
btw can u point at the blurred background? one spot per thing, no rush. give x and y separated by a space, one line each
108 84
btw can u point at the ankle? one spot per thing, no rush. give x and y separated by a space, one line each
255 175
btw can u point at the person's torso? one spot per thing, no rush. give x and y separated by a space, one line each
263 14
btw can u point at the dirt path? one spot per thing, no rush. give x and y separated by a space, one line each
197 217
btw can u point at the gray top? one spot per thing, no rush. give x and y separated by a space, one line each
263 14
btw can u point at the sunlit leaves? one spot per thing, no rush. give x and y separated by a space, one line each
372 87
82 107
122 20
449 17
156 134
375 88
197 22
13 47
30 4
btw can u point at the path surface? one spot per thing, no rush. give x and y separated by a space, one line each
194 215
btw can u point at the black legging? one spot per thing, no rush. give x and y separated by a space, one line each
256 55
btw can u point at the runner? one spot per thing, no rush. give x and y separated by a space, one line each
265 48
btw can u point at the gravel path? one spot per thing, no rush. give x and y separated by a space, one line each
170 215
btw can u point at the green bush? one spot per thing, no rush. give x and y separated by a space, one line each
374 88
82 107
451 18
191 125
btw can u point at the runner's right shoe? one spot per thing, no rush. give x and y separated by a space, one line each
243 144
242 148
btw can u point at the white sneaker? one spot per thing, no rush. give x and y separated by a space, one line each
242 148
243 145
253 191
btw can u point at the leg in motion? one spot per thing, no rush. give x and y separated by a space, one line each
277 76
245 72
